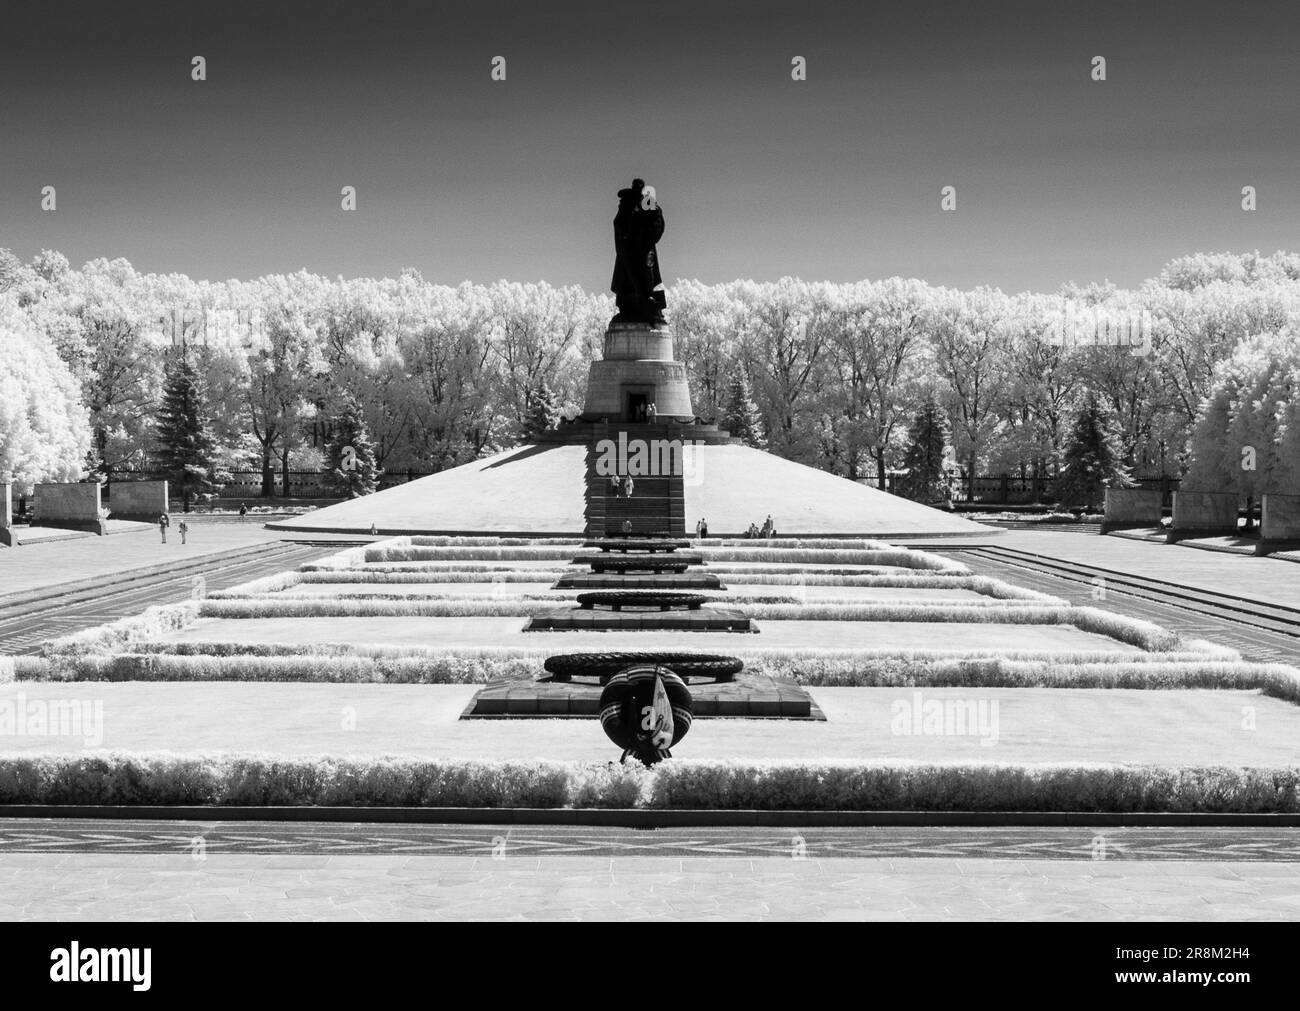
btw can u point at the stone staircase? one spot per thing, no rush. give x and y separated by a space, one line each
657 507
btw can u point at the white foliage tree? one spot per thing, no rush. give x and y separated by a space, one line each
44 430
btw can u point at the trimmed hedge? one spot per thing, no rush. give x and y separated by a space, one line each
118 778
930 581
442 541
899 557
899 787
258 587
511 552
1276 680
154 622
836 543
451 573
1142 634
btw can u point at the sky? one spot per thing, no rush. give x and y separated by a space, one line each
838 177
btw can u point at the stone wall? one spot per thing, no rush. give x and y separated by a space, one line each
1280 518
6 514
1132 507
73 506
137 500
1204 512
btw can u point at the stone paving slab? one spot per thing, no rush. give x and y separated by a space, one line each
84 887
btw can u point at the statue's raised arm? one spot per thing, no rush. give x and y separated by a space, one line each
637 285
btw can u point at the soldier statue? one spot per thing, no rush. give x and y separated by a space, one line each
637 284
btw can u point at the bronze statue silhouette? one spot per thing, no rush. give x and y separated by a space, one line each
637 285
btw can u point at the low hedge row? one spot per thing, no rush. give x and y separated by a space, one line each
832 543
1132 631
903 580
907 581
511 552
899 557
785 658
452 573
442 541
1276 680
117 778
154 622
259 587
343 669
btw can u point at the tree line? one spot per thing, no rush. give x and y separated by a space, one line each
114 370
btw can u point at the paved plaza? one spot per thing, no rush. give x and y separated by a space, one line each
108 886
115 869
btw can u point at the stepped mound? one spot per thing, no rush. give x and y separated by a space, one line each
540 490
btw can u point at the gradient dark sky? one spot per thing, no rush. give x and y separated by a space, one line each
1058 178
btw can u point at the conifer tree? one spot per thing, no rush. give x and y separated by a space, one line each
1093 459
543 410
741 417
187 449
923 459
350 453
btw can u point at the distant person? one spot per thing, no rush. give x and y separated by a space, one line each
699 529
164 521
182 528
627 528
652 413
704 527
767 526
243 511
628 485
615 485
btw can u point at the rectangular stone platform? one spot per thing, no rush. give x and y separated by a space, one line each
749 697
648 544
705 619
639 581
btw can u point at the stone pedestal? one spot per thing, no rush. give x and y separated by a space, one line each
636 370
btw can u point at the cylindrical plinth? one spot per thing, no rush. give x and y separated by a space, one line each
638 370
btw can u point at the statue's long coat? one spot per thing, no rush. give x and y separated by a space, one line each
636 266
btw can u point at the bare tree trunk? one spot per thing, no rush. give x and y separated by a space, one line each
268 475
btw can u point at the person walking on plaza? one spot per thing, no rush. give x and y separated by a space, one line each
767 526
615 485
164 521
243 511
627 528
628 485
699 529
182 528
652 413
704 528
